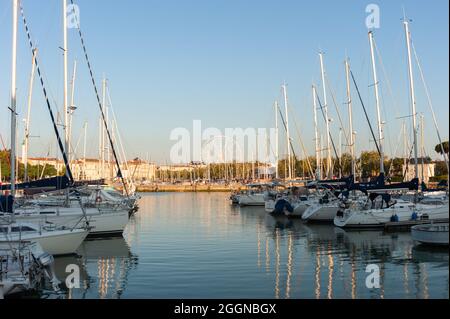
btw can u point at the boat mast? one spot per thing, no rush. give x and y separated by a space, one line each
277 156
340 153
413 97
14 97
84 149
66 107
422 150
405 150
27 121
72 107
327 122
107 146
288 137
316 136
377 102
350 118
103 128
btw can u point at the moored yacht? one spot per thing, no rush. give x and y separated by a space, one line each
53 240
398 211
254 196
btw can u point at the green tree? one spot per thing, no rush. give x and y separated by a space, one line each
440 168
445 145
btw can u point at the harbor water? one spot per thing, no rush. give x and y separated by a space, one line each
196 245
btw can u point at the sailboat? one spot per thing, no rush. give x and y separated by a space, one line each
394 210
54 240
101 213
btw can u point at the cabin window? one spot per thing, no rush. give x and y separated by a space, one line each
21 229
3 230
47 213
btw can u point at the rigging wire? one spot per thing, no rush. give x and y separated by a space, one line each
365 112
430 104
337 110
302 145
331 137
119 170
55 128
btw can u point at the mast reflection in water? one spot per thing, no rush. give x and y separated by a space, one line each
187 245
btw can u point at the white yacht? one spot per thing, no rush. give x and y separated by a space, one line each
101 222
322 209
53 240
398 211
98 212
431 234
254 196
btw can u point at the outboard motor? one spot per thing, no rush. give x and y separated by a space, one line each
47 262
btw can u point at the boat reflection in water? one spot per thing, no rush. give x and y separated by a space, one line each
198 246
103 266
325 262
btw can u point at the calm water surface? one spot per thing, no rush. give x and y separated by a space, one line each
198 246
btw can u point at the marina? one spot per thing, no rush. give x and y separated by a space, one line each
188 245
342 194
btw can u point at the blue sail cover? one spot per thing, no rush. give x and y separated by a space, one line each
378 185
54 183
6 204
381 187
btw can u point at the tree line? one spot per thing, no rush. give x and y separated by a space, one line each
35 172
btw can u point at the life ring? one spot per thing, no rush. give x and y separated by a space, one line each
98 200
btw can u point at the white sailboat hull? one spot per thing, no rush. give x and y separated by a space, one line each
379 217
436 234
252 200
321 213
58 242
299 210
101 223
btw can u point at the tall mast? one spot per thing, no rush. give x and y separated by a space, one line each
422 150
325 101
405 149
13 97
340 153
377 102
277 157
413 97
107 145
27 121
288 137
103 128
84 149
66 106
72 106
100 131
316 136
350 118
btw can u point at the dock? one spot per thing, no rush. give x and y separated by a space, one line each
188 188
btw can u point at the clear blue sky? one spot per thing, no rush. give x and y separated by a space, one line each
223 61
